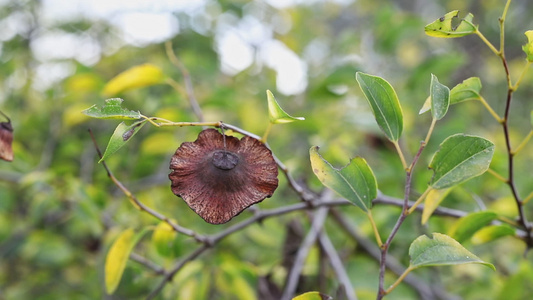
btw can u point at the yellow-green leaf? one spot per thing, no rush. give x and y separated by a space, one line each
312 296
163 237
469 89
528 48
432 201
426 106
443 27
492 232
466 226
116 259
135 77
276 114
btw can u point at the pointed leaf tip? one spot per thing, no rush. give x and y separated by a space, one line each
276 114
355 182
441 250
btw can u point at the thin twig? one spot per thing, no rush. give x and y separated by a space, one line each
337 265
522 220
147 263
399 222
440 211
267 213
187 80
292 279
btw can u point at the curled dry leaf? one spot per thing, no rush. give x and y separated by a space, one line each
219 176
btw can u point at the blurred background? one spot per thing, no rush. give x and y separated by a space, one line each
59 211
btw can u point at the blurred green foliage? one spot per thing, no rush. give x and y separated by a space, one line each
59 212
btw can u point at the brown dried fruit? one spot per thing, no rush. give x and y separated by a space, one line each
218 179
6 139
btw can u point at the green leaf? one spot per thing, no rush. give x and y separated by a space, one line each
491 233
276 114
466 226
441 250
532 118
384 103
440 98
312 296
355 182
122 134
112 109
118 255
432 201
459 158
443 27
528 48
134 77
469 89
163 237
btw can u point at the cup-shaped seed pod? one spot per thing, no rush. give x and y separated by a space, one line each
219 179
6 139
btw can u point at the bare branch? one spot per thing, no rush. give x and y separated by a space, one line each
170 274
440 211
337 265
187 79
399 222
147 263
316 226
